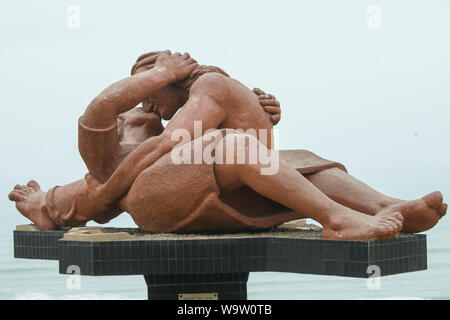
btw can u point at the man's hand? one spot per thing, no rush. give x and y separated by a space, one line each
270 104
177 67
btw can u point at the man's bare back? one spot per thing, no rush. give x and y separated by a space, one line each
244 109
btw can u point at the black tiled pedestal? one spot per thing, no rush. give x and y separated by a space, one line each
214 286
218 267
37 244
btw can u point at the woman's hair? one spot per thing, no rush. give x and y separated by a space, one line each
147 62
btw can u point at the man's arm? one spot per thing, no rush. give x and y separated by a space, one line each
129 92
201 106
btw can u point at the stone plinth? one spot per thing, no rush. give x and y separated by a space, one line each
217 266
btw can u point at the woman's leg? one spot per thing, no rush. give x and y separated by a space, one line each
350 192
294 191
419 215
70 204
30 201
67 205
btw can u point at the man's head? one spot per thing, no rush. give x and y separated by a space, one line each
167 101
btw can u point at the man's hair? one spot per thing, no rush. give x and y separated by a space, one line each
147 61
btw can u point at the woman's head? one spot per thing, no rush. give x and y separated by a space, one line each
172 97
137 125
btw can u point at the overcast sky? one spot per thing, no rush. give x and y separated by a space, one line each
372 98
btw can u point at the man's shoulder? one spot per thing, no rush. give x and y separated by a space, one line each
212 76
211 83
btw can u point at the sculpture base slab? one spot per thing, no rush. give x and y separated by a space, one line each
199 266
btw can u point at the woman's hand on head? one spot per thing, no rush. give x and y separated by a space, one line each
177 66
270 104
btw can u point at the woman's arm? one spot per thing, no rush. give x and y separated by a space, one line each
200 107
270 104
129 92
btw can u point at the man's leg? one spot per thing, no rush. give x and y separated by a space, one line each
294 191
420 214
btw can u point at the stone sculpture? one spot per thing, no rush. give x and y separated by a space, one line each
130 158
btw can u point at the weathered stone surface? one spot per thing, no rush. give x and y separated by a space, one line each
27 227
74 236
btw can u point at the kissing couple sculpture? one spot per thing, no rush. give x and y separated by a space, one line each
129 156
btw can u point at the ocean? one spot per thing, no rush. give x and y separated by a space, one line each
39 279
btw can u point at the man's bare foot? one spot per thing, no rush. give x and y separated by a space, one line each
421 214
30 201
353 225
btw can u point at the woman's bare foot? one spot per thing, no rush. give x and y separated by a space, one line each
419 215
353 225
30 201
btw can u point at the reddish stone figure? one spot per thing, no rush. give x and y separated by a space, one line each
129 155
